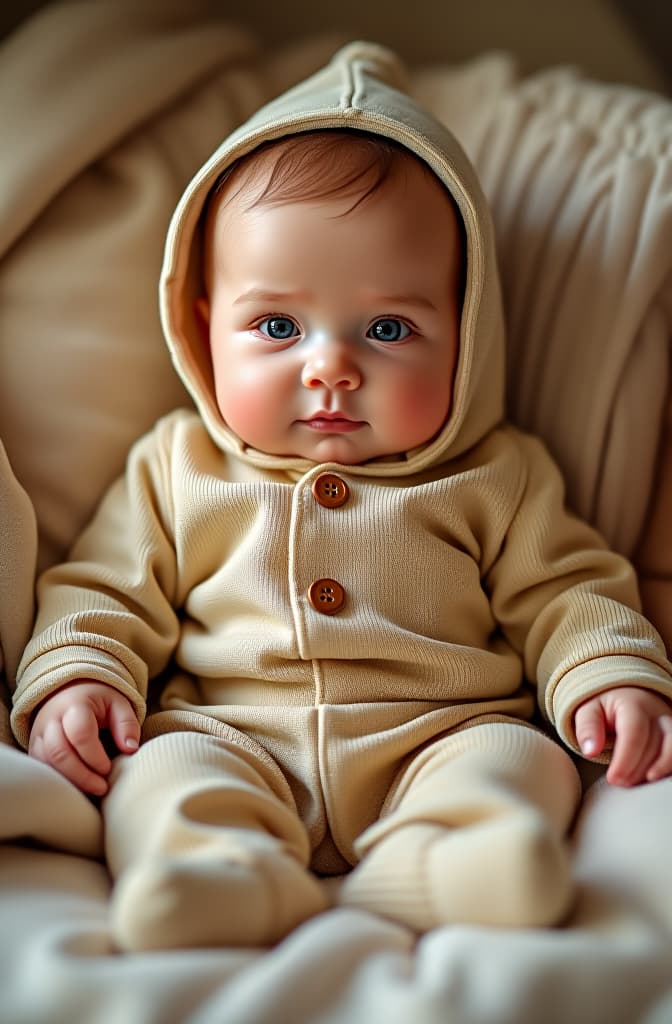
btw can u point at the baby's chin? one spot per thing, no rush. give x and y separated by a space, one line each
344 450
336 451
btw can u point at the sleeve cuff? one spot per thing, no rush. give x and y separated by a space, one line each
597 676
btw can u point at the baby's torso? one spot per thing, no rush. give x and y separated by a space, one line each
337 588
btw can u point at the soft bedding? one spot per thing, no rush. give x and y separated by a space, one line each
121 108
611 961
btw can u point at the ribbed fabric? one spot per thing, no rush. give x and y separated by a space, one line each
474 835
512 873
202 850
235 897
187 782
426 562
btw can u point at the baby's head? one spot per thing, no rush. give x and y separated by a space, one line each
333 273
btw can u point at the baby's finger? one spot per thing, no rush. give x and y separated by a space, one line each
124 726
81 730
633 752
662 766
60 755
590 728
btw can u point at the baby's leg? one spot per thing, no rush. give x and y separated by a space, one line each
473 832
205 846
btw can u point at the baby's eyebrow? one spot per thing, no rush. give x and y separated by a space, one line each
265 295
405 300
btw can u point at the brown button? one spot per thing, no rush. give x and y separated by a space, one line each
330 491
326 596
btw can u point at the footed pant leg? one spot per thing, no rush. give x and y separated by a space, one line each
205 847
473 831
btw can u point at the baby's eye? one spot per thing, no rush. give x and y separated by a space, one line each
279 328
388 329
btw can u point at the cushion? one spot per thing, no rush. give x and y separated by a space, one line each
579 175
124 106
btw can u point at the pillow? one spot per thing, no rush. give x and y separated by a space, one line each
123 106
579 176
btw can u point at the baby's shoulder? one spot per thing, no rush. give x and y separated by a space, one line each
513 450
171 437
504 450
504 465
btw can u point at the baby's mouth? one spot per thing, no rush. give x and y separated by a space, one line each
332 423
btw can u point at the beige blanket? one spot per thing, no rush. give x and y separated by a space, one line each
18 550
611 962
107 109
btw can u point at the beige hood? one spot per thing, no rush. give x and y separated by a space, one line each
361 88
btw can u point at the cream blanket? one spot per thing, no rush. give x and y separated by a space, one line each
107 109
610 962
18 550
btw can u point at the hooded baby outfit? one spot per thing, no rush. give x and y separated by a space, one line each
336 665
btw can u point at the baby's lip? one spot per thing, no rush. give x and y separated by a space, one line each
324 415
337 420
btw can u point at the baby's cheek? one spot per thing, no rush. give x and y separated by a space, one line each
422 409
249 409
237 404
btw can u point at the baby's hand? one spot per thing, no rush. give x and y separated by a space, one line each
66 732
639 723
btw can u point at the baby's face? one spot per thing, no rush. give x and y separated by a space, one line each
334 334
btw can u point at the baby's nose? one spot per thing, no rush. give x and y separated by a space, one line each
332 367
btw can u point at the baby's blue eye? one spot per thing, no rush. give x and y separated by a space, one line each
388 329
279 328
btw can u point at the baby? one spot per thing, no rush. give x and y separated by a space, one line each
324 600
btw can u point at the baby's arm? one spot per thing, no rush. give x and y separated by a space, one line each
66 732
640 724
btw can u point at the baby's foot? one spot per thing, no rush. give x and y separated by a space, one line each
506 872
251 899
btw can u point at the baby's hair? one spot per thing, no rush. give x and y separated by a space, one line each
313 165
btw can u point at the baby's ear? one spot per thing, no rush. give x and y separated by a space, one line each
202 314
